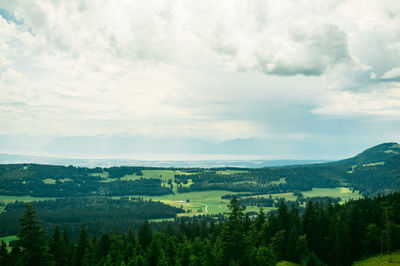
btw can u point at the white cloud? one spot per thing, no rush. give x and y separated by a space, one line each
391 74
213 69
383 103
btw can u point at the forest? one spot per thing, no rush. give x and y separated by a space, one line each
330 233
373 171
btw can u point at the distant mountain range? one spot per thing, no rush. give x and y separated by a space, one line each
123 146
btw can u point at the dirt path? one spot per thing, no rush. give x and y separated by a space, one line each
206 206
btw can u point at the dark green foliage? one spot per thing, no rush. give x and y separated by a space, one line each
373 171
145 235
100 214
31 239
330 234
4 257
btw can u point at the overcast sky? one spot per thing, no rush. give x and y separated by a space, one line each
216 70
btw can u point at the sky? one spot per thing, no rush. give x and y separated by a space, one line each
302 71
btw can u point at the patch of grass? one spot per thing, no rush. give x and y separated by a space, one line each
159 174
245 182
373 164
278 182
342 192
159 220
9 199
65 180
130 177
8 239
287 196
50 181
108 180
391 151
209 201
387 259
352 169
231 172
100 174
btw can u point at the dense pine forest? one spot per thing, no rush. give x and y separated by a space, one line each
319 214
331 234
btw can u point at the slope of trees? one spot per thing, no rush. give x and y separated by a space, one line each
333 234
101 214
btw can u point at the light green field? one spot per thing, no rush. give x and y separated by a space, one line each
388 259
162 220
9 199
231 171
280 181
102 174
164 175
7 239
202 202
373 164
287 196
343 192
50 181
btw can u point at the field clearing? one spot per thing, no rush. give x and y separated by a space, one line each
384 260
8 239
373 164
102 174
10 199
159 220
231 172
50 181
197 200
278 182
343 192
287 196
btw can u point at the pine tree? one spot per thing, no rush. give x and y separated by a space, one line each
145 235
234 242
57 248
81 253
31 238
3 253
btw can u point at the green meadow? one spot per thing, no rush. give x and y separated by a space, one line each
202 202
8 239
384 260
9 199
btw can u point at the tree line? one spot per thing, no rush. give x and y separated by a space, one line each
331 234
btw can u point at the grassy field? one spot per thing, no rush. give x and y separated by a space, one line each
202 202
343 192
7 239
286 196
231 171
384 260
8 199
49 181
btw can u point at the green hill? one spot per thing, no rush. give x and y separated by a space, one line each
379 153
388 259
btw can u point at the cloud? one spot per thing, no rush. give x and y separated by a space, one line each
383 104
392 74
210 69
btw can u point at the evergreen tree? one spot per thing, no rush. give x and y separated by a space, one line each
83 250
31 238
3 254
234 242
145 235
57 248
